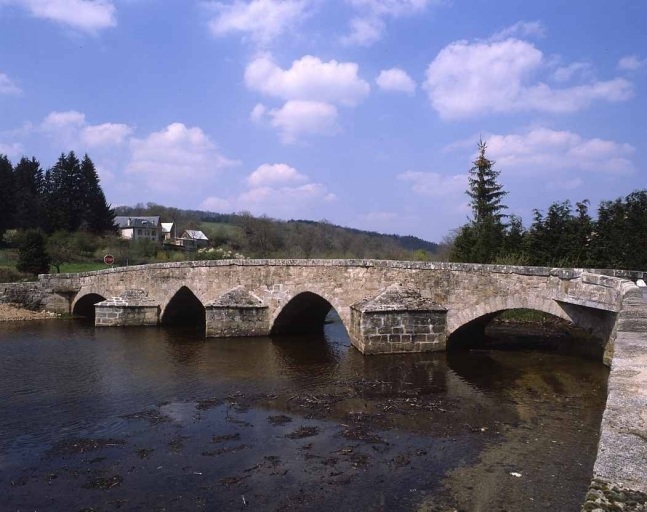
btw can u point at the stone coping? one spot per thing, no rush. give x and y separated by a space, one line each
562 273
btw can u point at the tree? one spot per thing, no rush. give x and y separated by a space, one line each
65 195
99 217
32 256
28 182
482 238
7 204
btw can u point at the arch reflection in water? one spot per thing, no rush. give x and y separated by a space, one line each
185 310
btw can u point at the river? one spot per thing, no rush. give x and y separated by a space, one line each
162 419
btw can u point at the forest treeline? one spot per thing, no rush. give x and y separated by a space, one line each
562 236
265 237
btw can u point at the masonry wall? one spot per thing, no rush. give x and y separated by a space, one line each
232 322
107 316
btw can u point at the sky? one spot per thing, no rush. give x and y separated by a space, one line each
366 113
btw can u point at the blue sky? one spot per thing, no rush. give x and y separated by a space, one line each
366 113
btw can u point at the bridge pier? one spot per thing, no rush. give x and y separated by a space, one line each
398 320
131 308
237 313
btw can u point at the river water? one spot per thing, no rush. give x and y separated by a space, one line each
162 419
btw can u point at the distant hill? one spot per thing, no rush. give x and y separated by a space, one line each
267 237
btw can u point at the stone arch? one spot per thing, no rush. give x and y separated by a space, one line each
487 310
184 308
304 313
84 305
598 323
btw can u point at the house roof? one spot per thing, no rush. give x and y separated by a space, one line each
194 235
136 222
167 227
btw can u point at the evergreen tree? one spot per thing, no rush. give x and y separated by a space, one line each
32 256
482 239
99 217
28 178
7 203
65 194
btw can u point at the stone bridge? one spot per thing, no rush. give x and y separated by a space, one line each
386 306
391 307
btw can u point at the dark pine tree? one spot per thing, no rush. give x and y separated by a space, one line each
32 255
28 179
99 216
7 203
482 239
65 195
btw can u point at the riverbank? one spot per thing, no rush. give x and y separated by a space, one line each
14 313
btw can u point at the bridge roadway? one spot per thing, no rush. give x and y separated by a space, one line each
387 307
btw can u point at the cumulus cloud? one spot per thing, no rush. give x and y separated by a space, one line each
433 184
369 26
8 86
175 157
277 190
395 80
542 150
70 127
573 70
85 15
297 118
261 20
631 63
270 174
12 149
468 79
308 79
521 29
312 90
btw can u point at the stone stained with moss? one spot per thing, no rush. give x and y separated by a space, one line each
604 496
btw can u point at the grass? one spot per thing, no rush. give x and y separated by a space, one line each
86 266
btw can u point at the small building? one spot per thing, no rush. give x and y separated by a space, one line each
139 228
167 231
193 239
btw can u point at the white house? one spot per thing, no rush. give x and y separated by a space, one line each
140 228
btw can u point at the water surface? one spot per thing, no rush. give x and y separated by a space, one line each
162 419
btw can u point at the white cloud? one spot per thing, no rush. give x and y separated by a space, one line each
365 31
467 79
270 174
70 128
631 63
368 27
106 134
433 184
542 150
309 79
521 29
84 15
216 204
311 88
176 157
576 69
298 118
262 20
258 112
8 86
12 149
274 189
396 80
285 200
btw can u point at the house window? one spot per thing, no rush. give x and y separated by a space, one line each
139 232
